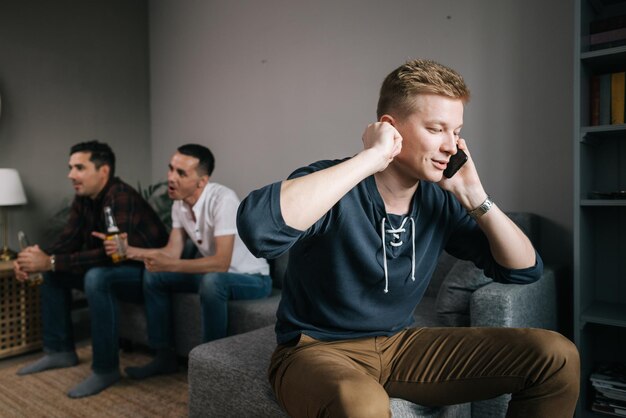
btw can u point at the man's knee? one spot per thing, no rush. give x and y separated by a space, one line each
570 358
561 355
148 278
152 280
213 285
95 281
556 346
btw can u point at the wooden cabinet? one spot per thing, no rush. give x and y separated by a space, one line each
20 314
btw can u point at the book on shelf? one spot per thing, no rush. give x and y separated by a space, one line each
618 96
609 388
594 99
607 409
609 383
603 110
609 32
609 406
608 39
607 24
610 373
605 99
615 395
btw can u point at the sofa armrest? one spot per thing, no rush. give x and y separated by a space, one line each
512 305
228 377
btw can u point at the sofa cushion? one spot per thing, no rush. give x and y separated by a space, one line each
425 313
228 377
248 315
243 316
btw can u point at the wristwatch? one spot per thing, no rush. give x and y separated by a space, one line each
53 260
482 209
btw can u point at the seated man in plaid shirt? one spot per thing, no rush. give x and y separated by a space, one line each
78 260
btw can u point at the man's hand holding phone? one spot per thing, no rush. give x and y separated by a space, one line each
455 163
463 181
460 168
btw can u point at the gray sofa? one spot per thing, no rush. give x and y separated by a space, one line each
243 315
228 377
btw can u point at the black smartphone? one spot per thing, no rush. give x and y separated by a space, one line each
455 163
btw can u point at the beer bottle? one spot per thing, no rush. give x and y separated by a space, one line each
34 279
113 233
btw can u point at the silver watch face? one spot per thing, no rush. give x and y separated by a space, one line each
482 209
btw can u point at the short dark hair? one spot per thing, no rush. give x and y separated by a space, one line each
101 154
204 155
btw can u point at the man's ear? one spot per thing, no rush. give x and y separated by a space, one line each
389 119
204 180
105 169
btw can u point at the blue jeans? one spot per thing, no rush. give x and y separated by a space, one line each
215 290
103 286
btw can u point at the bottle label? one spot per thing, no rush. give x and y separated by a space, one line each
113 233
120 254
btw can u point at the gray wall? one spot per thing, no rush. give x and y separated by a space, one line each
273 85
71 70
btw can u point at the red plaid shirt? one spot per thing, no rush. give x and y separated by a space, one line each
76 250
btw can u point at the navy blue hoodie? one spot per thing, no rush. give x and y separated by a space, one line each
341 282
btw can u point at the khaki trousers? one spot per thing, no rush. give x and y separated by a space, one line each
431 367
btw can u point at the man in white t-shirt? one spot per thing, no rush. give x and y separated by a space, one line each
204 212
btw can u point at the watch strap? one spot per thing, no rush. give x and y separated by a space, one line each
481 209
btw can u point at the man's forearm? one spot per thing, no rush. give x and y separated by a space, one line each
510 247
136 253
200 265
304 200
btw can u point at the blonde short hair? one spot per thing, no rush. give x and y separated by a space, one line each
415 77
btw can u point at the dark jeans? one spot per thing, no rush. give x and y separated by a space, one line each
215 290
103 286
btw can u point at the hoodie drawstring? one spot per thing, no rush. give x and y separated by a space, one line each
396 234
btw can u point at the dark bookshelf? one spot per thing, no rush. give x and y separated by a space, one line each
599 220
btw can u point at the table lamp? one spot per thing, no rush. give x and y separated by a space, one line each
11 194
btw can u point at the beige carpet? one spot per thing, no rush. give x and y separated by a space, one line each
43 394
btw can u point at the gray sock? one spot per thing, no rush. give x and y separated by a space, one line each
95 383
51 361
164 362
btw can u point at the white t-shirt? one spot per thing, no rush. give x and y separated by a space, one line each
216 215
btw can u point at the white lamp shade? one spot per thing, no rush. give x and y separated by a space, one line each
11 190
